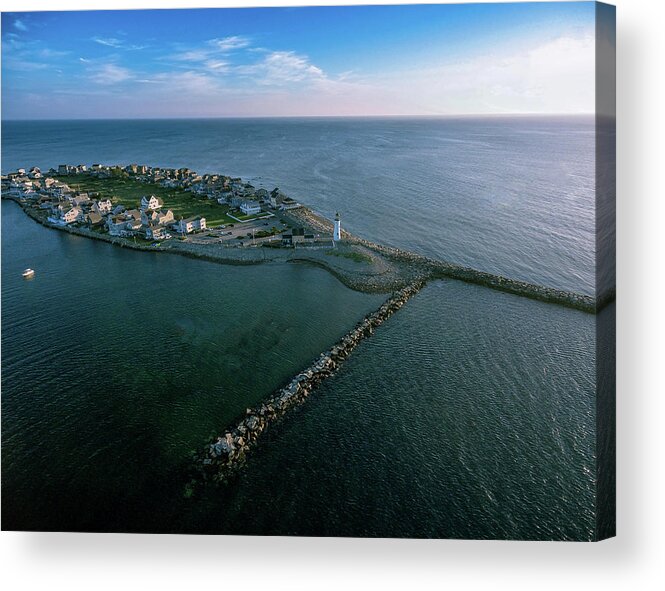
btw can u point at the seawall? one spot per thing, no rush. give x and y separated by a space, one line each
227 452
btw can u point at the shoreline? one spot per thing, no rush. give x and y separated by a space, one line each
389 269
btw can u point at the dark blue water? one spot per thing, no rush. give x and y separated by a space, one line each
469 414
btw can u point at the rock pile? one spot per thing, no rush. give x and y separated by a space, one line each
227 452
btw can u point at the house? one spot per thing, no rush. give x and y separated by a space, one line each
45 202
80 199
118 209
103 206
193 224
58 207
288 203
115 225
59 189
155 232
236 200
276 197
71 215
119 226
295 236
250 207
148 217
151 202
226 196
94 219
133 214
158 218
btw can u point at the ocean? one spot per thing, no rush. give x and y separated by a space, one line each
470 413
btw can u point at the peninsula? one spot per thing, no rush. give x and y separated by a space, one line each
226 220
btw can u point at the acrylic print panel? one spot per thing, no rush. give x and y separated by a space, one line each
324 271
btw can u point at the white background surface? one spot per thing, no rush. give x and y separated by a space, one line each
635 559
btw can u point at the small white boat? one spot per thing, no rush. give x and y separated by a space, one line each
28 273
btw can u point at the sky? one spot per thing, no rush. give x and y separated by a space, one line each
531 58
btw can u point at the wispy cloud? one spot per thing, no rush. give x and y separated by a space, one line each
22 54
219 66
282 67
20 25
190 82
108 74
23 65
47 53
213 50
108 41
117 43
196 55
230 43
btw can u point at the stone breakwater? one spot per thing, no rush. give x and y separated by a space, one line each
434 269
227 452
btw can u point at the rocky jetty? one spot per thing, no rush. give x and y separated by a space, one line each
428 268
225 453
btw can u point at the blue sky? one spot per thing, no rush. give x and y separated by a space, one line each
358 60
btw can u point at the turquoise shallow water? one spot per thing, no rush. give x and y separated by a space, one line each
469 414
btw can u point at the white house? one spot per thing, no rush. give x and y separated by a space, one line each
250 207
103 206
151 202
70 215
190 225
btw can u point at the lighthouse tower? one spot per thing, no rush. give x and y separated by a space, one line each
337 233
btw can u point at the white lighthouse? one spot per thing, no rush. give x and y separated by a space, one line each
337 233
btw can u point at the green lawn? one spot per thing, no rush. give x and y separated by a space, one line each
128 192
246 218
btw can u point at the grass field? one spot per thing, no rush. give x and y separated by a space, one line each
128 192
241 217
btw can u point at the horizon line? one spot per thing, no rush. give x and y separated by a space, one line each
390 116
